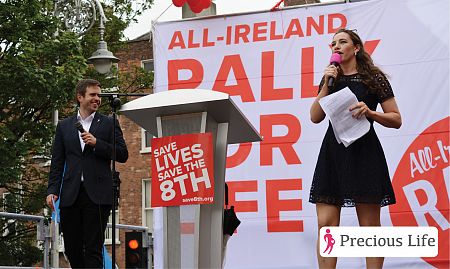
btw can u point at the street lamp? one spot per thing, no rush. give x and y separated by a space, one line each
102 58
79 16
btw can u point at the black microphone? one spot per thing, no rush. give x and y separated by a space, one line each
336 61
79 127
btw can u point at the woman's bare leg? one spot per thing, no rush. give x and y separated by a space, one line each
369 215
327 215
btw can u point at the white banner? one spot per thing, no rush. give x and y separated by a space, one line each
271 63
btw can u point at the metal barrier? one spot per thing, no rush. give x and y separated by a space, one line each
44 234
43 231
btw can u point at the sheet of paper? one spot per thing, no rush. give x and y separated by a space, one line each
346 128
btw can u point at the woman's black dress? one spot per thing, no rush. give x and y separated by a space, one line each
358 173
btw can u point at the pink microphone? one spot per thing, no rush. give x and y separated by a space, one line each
336 61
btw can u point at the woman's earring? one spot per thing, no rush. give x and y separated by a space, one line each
356 52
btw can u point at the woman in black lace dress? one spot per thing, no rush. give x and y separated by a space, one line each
357 175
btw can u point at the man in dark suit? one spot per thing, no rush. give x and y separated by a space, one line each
85 192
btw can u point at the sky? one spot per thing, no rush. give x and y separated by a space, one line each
174 13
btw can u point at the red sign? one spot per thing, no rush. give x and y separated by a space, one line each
182 170
421 184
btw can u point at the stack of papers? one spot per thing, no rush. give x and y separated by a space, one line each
346 128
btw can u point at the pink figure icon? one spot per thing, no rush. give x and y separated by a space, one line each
330 241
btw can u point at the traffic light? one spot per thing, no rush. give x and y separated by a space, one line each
135 253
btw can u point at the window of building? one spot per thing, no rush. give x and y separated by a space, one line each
148 65
108 232
147 210
146 141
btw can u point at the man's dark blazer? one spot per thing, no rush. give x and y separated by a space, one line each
93 162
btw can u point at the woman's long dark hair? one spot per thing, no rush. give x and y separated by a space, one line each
364 63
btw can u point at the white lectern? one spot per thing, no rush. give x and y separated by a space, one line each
187 111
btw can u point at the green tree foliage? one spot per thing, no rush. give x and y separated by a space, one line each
40 62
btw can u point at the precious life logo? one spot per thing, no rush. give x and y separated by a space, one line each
378 241
329 240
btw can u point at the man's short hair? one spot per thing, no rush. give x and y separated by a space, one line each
82 85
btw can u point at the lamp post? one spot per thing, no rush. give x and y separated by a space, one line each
102 58
79 16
